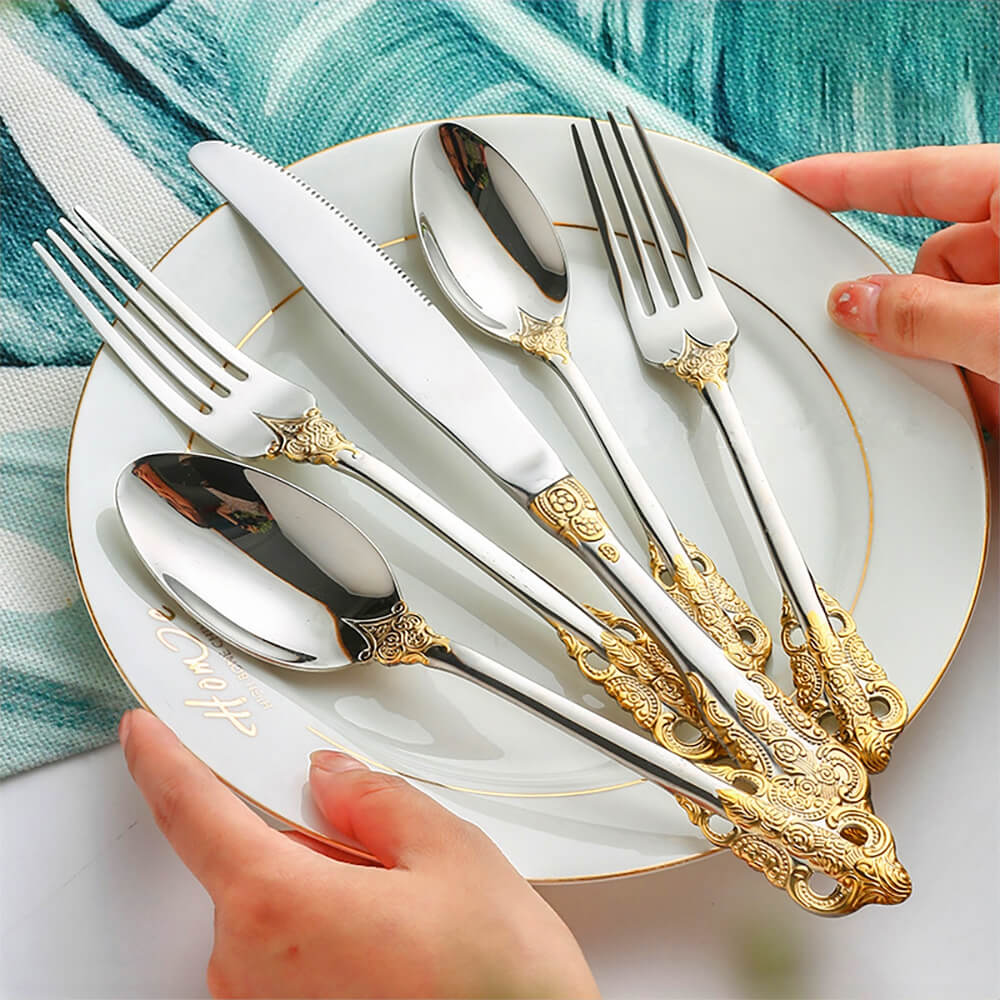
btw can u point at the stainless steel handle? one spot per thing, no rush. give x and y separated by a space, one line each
702 592
659 687
793 573
851 679
636 752
654 519
523 582
771 830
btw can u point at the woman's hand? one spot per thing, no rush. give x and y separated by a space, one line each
447 916
949 308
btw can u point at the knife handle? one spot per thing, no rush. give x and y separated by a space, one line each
747 712
568 511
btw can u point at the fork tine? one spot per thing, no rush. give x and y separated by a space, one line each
701 272
237 360
141 369
653 289
197 389
659 237
154 316
611 245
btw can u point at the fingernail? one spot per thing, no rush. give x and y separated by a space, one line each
332 762
854 306
124 725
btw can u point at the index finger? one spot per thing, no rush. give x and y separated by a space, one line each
953 183
216 836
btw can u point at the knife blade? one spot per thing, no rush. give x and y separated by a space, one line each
371 300
367 295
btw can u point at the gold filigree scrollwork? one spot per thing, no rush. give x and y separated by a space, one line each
402 636
815 816
658 701
789 838
835 671
309 438
545 338
704 594
570 511
698 364
812 761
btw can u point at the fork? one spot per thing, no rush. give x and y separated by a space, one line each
813 814
684 325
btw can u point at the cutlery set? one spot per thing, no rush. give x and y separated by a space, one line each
782 782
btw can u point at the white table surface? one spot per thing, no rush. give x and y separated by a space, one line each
94 904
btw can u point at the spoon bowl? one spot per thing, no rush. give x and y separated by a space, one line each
489 241
271 568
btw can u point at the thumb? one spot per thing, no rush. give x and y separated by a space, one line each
400 826
920 316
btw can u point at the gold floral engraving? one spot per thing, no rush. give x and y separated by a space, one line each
569 510
545 338
309 438
609 552
658 702
788 839
814 816
706 597
813 762
835 671
402 636
698 364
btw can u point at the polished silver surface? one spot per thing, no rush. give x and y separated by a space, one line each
222 405
495 253
368 297
230 420
276 572
263 564
489 242
383 314
661 313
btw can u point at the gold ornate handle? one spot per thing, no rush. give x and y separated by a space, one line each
813 818
643 682
789 836
707 598
309 438
835 672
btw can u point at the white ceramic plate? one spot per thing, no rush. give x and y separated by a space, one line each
877 462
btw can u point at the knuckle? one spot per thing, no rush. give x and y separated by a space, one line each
907 195
167 803
257 915
472 837
910 308
371 786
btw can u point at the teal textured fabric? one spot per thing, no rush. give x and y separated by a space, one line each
767 81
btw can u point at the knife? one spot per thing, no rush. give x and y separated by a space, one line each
370 299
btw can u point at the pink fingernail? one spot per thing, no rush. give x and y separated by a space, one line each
124 726
333 762
854 306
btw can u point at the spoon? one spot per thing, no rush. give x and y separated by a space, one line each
495 253
283 576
